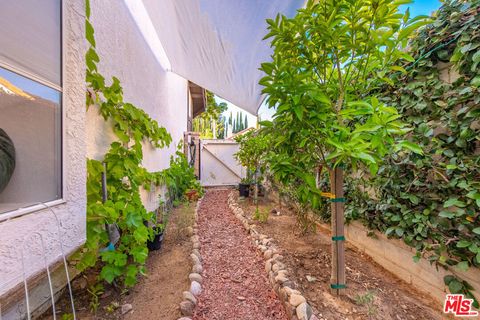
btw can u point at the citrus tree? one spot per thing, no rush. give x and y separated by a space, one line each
328 62
253 148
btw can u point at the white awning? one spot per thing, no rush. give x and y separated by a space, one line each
216 44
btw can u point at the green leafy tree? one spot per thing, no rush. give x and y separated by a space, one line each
210 123
328 61
252 154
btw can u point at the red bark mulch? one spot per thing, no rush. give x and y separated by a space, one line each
235 285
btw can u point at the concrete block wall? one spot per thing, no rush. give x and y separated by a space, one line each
397 257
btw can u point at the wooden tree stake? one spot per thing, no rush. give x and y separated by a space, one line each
337 280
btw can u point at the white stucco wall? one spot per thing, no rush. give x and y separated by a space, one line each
125 54
25 232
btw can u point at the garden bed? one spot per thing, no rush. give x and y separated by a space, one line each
372 293
156 296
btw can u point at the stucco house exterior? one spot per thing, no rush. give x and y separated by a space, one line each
163 52
43 112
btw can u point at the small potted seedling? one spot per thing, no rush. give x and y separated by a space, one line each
156 242
158 228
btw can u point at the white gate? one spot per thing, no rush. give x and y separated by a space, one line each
218 166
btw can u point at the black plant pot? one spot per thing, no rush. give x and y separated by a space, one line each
261 190
244 189
156 243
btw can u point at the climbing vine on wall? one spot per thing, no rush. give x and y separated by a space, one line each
125 177
432 201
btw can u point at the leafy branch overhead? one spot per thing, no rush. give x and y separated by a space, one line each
327 62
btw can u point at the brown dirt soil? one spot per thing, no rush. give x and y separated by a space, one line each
235 286
372 293
156 296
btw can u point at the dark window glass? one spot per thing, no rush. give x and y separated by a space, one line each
30 142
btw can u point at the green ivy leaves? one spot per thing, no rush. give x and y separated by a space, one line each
125 176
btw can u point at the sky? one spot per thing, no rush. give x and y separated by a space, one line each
419 7
30 86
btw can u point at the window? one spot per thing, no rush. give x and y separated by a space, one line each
30 103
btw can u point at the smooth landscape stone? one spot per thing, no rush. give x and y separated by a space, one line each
197 268
186 308
195 277
282 272
277 256
278 266
195 288
126 308
187 295
195 259
304 311
291 291
268 254
268 266
296 299
281 278
197 253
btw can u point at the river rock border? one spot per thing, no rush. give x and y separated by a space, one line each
190 297
295 304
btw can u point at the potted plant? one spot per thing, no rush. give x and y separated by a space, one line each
192 195
244 187
253 148
156 242
158 227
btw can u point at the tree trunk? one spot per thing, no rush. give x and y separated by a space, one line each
255 197
337 281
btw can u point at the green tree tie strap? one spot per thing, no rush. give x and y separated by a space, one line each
338 238
337 200
338 286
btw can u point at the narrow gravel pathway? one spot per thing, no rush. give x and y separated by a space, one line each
235 285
